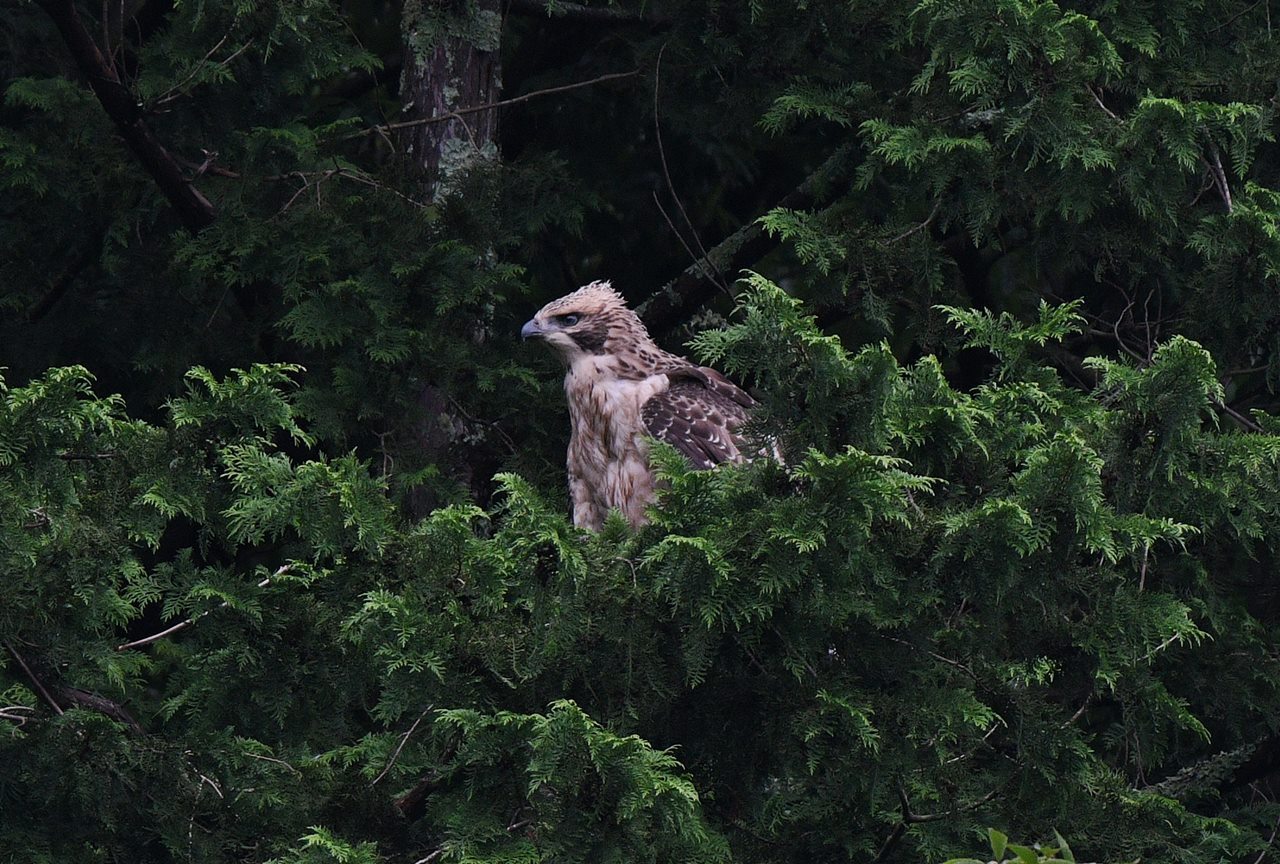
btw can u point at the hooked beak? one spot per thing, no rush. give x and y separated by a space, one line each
531 330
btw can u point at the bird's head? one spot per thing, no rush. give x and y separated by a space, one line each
592 320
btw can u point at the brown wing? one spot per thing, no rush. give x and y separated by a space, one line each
699 415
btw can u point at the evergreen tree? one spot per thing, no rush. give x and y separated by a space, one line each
289 570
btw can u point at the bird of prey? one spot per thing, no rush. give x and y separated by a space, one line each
622 388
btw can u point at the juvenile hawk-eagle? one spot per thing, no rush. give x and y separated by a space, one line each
621 388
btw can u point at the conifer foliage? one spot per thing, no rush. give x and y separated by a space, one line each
288 569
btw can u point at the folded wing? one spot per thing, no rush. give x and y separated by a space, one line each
699 414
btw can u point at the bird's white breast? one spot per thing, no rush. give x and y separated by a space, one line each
607 450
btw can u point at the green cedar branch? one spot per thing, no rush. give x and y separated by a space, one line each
195 211
694 287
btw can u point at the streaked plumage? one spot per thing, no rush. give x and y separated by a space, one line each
622 387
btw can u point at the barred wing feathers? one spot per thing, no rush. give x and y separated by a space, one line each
699 414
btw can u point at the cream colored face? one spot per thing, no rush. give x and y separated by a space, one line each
579 323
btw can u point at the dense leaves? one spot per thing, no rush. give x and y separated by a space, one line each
290 575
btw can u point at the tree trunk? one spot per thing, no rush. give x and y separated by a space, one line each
451 63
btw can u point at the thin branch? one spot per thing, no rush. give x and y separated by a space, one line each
404 739
495 425
503 103
941 659
179 90
582 14
711 273
183 625
891 841
697 262
272 759
1270 841
691 289
1071 721
57 709
923 225
1245 11
917 818
1098 98
1219 175
121 105
1209 183
60 286
963 756
1163 645
169 94
212 785
1238 417
7 713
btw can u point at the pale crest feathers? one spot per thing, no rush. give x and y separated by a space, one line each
622 388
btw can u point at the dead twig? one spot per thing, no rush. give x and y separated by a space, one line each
183 625
705 260
503 103
178 90
923 225
8 712
57 709
274 760
1218 174
941 659
1270 841
404 739
917 818
1098 98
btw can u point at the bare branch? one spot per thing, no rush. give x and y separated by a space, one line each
9 712
916 818
57 709
1237 416
274 760
917 228
1098 98
177 91
183 625
705 262
489 106
691 289
582 14
404 739
1270 841
1219 176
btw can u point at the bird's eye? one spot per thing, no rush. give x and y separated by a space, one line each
567 320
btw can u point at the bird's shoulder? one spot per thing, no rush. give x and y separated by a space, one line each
698 413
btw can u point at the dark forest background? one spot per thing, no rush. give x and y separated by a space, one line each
284 532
